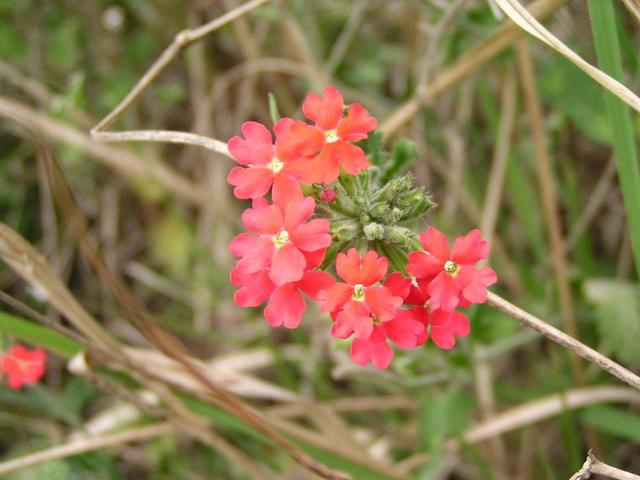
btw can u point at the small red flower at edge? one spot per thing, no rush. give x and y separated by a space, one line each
450 277
23 366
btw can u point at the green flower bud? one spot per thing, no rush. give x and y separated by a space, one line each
345 229
373 231
381 211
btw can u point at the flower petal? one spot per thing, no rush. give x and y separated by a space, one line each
325 112
333 298
469 249
287 264
267 220
352 159
372 268
398 285
404 330
250 182
257 149
382 304
285 307
313 283
423 265
296 211
357 124
443 291
435 243
311 236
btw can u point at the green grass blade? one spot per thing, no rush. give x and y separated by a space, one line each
38 335
605 34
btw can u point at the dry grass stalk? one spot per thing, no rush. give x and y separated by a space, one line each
521 17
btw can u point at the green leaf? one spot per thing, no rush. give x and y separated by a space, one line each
606 38
31 332
618 313
403 155
273 108
443 416
614 421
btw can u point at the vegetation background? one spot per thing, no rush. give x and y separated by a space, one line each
508 136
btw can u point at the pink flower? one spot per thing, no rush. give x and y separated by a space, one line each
263 163
329 140
359 302
283 234
443 327
404 330
285 304
451 275
23 366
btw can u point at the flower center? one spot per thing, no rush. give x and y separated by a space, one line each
332 136
451 267
281 238
276 165
358 292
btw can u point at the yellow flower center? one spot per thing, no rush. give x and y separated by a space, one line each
358 292
332 136
276 165
451 267
281 238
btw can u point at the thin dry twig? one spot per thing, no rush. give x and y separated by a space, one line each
529 414
159 338
466 64
124 161
548 196
76 447
521 17
182 40
563 339
495 184
593 466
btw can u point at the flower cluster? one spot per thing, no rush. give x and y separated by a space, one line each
326 206
23 366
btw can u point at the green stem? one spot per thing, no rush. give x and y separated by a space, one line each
605 34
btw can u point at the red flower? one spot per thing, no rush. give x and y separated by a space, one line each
23 366
359 302
286 304
442 326
262 163
329 139
404 330
451 275
282 238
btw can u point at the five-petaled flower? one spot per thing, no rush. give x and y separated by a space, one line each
359 302
283 234
329 139
263 164
286 304
451 276
23 366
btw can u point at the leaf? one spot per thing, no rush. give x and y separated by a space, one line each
617 308
403 155
614 421
31 332
521 16
443 416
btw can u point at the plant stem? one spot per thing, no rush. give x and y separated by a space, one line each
605 35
